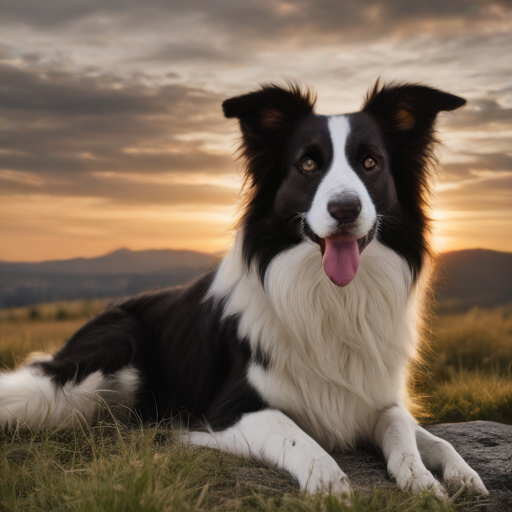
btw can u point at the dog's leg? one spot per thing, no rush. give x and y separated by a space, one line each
271 437
395 434
439 454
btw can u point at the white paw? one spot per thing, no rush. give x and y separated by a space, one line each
458 474
411 475
325 476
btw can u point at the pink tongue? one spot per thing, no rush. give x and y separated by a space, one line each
341 261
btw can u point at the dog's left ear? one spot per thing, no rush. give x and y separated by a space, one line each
406 114
269 110
408 107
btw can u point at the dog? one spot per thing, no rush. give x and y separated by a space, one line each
299 340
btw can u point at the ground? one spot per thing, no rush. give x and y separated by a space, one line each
465 375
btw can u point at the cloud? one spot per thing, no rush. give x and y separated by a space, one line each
193 52
480 113
118 101
63 93
256 19
124 193
482 198
481 187
475 163
66 128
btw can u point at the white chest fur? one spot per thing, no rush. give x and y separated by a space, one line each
338 355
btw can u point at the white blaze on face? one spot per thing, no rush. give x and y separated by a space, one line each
340 180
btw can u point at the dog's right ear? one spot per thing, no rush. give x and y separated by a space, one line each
270 110
267 117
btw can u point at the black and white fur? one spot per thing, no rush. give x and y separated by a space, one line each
279 362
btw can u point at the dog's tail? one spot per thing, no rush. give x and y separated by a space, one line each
94 371
29 396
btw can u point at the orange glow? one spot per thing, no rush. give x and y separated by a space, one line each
39 228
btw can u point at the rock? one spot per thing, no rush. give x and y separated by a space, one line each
486 446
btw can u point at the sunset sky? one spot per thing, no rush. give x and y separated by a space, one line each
111 131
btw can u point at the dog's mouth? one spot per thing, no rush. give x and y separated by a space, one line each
340 252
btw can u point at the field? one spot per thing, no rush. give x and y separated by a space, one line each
465 374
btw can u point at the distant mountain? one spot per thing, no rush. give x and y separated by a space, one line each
474 277
468 278
117 274
122 261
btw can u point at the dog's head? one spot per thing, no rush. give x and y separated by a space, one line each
339 180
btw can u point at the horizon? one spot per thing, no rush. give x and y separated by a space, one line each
119 249
112 133
202 252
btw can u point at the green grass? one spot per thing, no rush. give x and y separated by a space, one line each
465 375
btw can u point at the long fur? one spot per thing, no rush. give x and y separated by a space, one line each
29 397
297 321
277 360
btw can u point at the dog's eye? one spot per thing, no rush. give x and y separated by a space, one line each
370 164
307 165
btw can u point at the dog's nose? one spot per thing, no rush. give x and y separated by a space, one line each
346 209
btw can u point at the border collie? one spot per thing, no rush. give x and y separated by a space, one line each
300 339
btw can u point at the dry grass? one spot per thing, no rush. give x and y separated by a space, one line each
470 396
478 340
42 328
467 369
18 339
64 310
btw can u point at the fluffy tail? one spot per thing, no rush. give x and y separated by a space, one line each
96 367
30 396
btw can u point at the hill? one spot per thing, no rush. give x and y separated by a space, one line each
474 277
119 273
122 261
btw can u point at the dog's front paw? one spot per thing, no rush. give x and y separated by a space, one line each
458 474
411 475
324 475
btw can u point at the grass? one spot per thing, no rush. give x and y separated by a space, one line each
471 396
42 328
19 339
64 310
108 468
466 372
465 375
478 340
